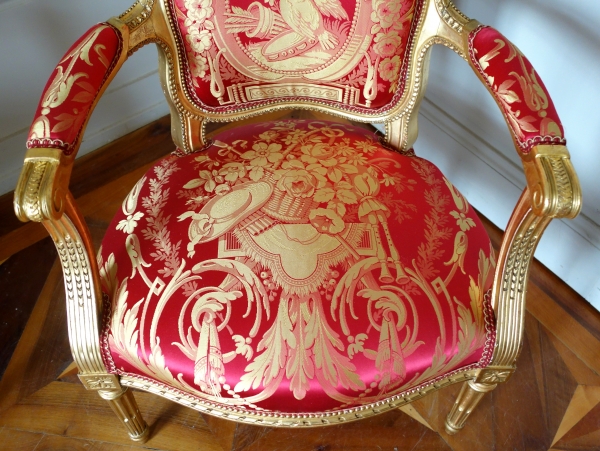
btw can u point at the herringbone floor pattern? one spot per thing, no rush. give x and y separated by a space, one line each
552 402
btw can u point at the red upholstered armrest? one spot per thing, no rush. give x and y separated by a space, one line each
517 88
74 88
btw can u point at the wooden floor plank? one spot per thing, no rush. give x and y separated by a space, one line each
16 440
21 238
21 286
387 432
583 401
564 327
559 383
532 331
580 371
223 431
69 410
519 421
55 442
12 381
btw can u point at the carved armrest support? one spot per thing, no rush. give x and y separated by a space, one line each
42 195
552 182
139 20
522 235
82 286
43 185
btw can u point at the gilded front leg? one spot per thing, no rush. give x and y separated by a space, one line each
468 398
123 404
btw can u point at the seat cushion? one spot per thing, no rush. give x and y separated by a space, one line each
295 266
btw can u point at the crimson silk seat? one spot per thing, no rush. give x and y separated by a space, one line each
288 268
295 272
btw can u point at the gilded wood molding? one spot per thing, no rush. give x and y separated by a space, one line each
552 182
468 398
295 420
139 21
83 295
102 381
451 16
522 235
138 13
123 404
43 185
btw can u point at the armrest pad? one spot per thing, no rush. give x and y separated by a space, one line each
517 88
73 89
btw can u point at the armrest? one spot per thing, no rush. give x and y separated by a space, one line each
42 193
74 88
552 191
69 98
532 119
71 93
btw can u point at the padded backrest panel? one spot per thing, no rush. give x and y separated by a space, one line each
350 54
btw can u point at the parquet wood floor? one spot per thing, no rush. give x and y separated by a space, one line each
551 403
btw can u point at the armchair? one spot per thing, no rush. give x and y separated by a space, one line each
295 272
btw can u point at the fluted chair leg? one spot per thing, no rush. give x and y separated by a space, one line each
468 398
125 407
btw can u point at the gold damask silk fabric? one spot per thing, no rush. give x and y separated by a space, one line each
295 266
349 53
73 88
518 89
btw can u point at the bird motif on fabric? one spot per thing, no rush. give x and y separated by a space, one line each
305 17
290 27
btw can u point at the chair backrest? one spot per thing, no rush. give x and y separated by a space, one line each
361 59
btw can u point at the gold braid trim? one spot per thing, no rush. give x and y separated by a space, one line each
137 14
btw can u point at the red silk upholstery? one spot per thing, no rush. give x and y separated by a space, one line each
519 91
295 260
351 53
73 87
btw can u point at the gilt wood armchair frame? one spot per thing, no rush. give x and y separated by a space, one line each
43 195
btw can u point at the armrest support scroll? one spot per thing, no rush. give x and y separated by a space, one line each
43 185
553 184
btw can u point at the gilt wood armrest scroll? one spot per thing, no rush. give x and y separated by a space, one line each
552 181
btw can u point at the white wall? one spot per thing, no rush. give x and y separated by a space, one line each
461 128
34 35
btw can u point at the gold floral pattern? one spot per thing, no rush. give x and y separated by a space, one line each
297 282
